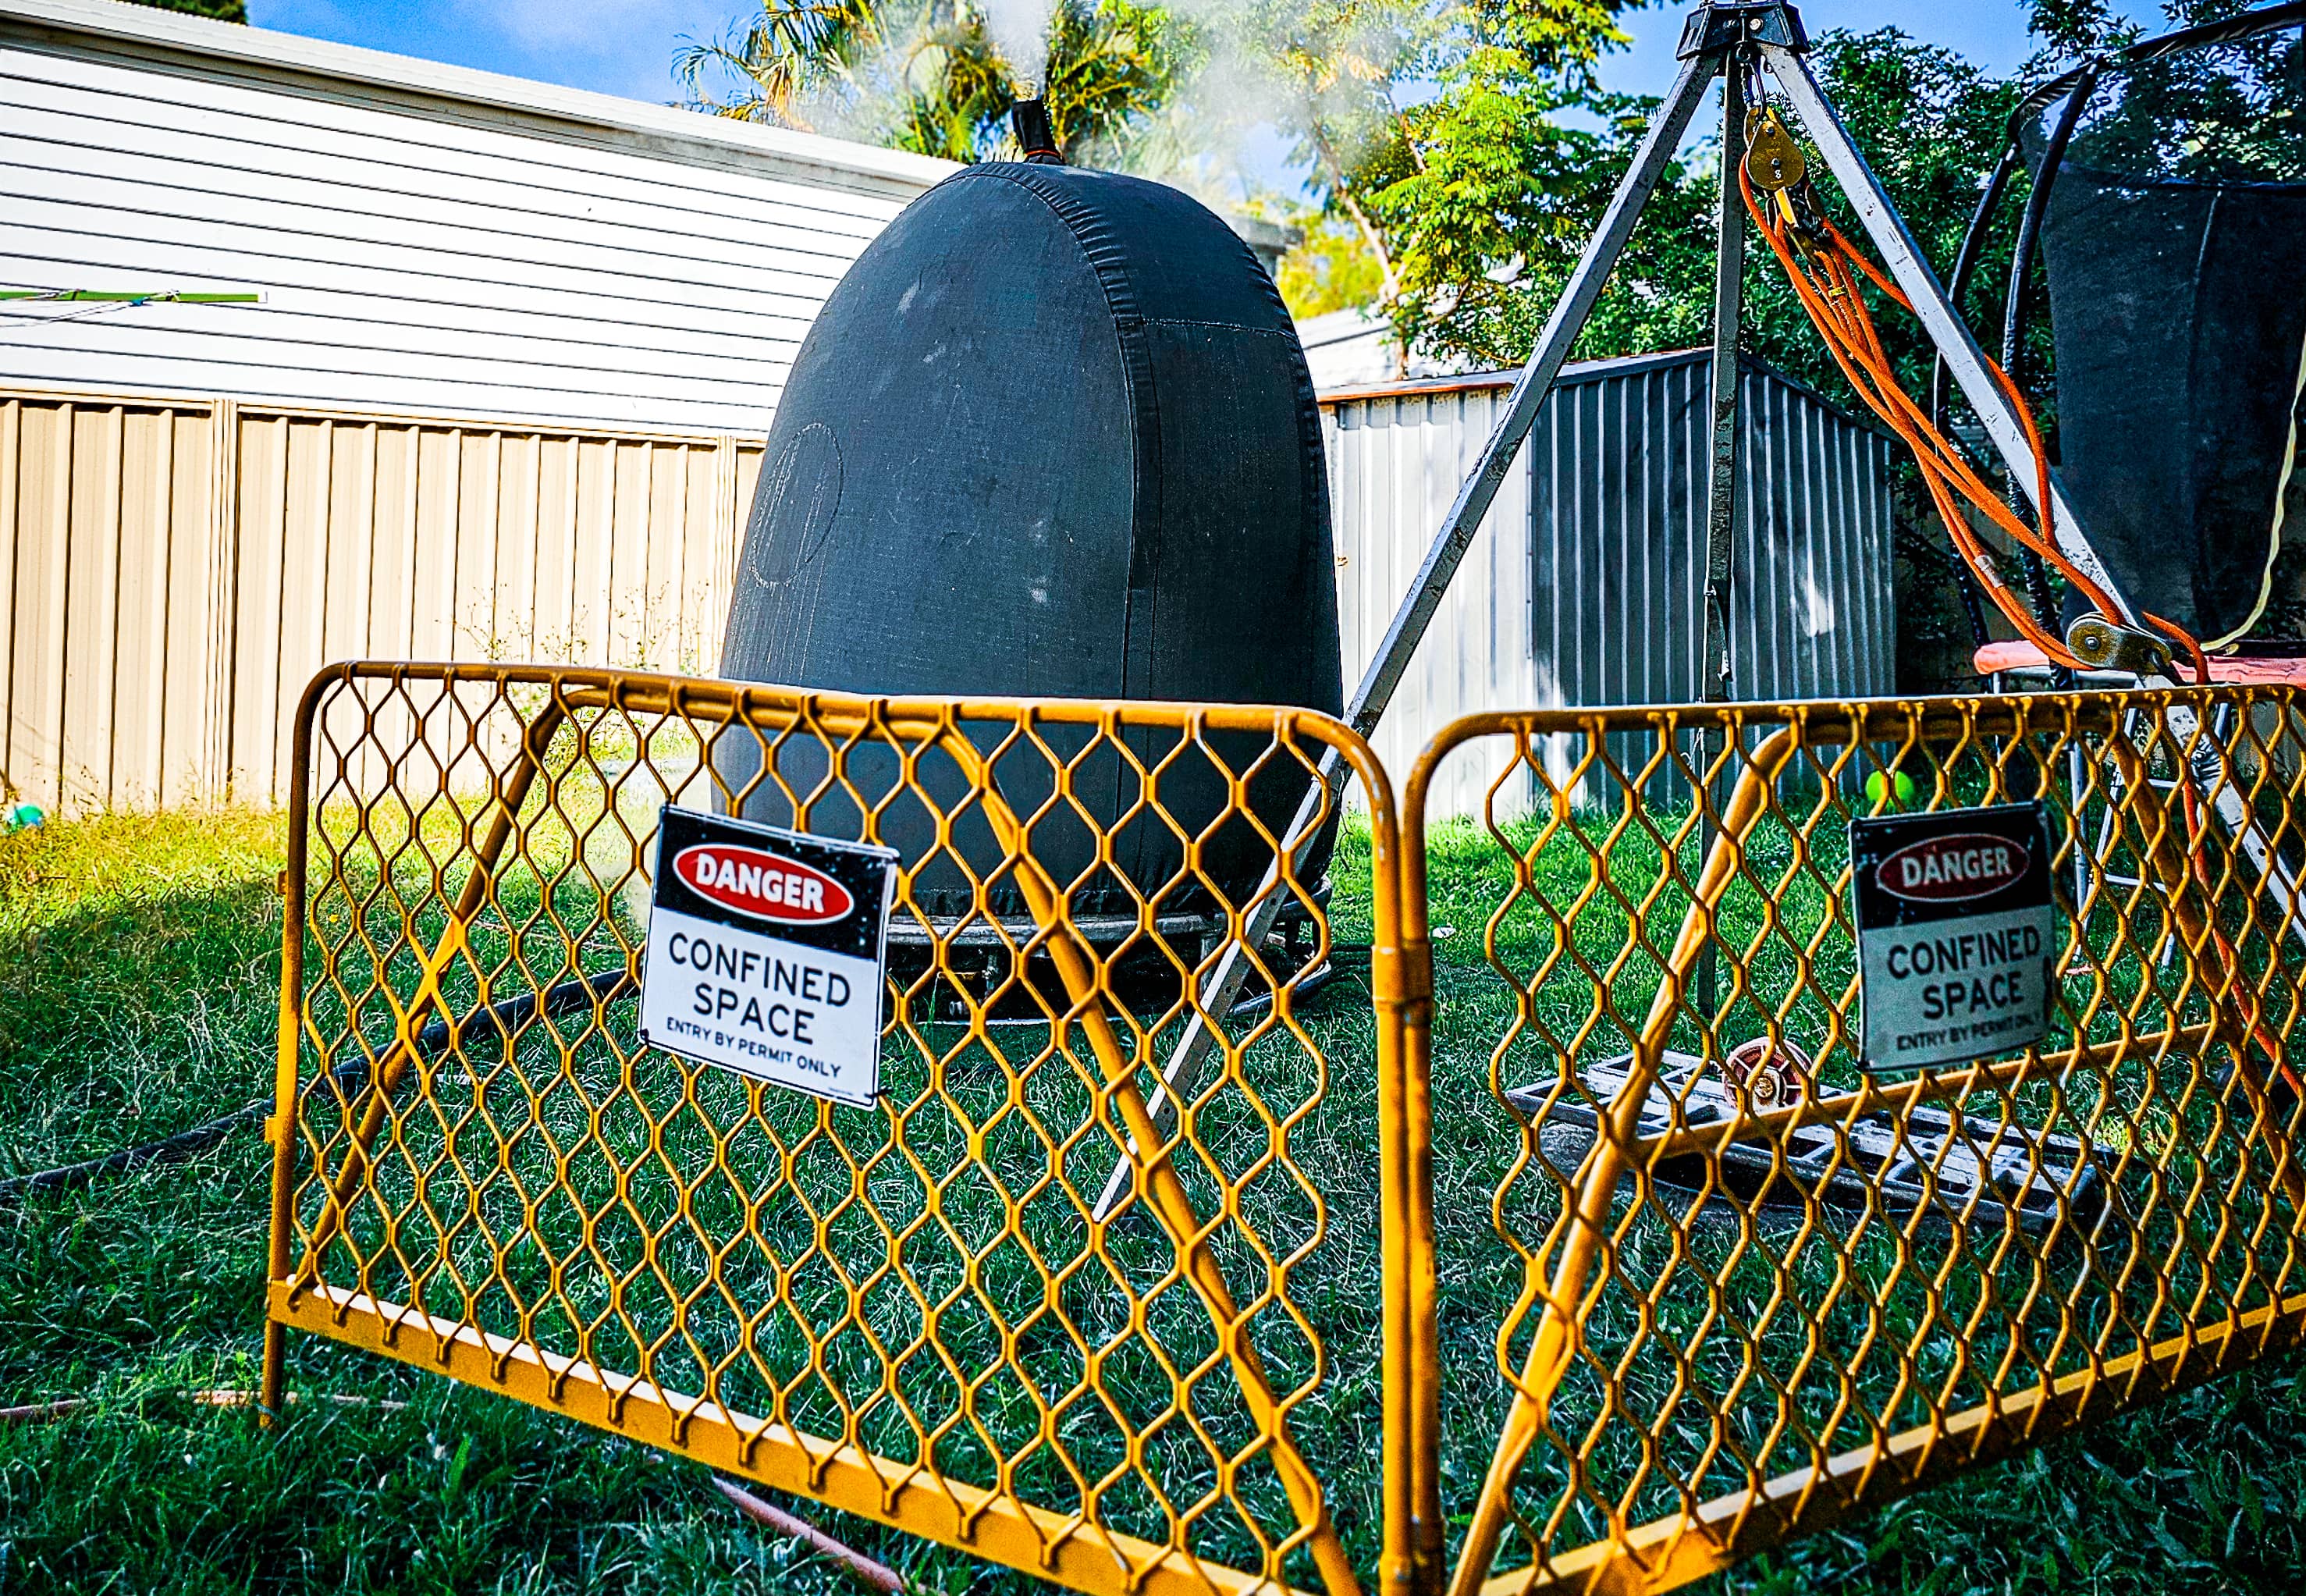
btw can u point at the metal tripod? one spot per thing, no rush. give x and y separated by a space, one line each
1719 39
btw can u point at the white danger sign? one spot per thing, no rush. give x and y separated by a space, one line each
767 950
1956 933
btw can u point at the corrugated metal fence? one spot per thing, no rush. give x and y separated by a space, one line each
172 571
1584 586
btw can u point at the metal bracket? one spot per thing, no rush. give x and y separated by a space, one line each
1403 975
2103 645
1711 28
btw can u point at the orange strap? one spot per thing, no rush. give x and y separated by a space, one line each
1822 276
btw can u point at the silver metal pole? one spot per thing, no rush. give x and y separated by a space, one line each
1729 309
1715 667
1222 986
1528 397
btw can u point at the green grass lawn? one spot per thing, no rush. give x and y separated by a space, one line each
138 984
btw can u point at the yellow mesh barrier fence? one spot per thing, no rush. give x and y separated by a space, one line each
923 1312
1710 1284
1599 1113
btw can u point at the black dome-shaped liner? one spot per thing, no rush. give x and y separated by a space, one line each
1052 436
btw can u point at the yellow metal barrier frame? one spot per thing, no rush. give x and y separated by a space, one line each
1709 1534
2220 1006
997 1525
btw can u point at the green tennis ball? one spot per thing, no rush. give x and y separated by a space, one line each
1898 782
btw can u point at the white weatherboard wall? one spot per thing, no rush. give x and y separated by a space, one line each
427 239
503 399
1583 586
175 570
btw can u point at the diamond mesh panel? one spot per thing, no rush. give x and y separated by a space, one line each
920 1311
1734 1295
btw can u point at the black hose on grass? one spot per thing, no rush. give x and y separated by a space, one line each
602 987
500 1018
169 1149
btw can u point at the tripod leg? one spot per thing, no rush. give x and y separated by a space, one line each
2209 772
1729 307
1713 666
1911 269
1181 1077
1968 362
1528 396
1222 986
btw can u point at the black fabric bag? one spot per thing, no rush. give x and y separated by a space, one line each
1053 435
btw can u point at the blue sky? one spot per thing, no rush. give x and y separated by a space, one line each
625 46
1990 32
616 46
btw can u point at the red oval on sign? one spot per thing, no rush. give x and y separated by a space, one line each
765 886
1949 869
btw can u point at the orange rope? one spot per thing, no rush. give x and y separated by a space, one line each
2185 640
1822 278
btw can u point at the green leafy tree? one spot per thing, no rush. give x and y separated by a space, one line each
1498 204
1518 158
2068 28
769 63
930 76
1333 269
220 11
1330 73
1346 81
1499 179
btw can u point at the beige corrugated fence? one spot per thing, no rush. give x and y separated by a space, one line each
174 570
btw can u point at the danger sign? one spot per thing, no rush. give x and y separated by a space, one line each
1956 933
764 885
766 953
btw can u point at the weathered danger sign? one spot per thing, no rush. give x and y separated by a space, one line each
766 953
1956 933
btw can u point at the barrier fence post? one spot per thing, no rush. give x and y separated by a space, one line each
280 1128
1401 984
